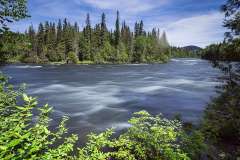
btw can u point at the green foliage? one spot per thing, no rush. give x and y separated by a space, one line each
13 10
148 138
226 51
12 45
193 143
72 58
222 121
21 138
232 18
152 138
183 53
139 49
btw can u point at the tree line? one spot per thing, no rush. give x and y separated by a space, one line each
64 41
225 51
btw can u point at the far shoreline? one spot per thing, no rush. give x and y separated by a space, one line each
93 63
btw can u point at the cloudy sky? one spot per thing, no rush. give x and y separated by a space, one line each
186 22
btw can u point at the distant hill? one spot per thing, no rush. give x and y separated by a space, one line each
192 48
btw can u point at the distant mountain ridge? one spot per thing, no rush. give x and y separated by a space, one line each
192 48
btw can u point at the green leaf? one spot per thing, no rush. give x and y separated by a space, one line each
26 98
14 143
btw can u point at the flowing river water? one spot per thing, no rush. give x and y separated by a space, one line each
96 97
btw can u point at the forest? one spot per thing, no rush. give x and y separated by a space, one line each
65 42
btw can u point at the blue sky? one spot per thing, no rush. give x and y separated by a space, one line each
186 22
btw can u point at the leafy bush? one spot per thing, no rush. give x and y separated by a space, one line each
148 137
20 137
72 58
221 124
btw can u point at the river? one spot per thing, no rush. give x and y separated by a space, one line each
96 97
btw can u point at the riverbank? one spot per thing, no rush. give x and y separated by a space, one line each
17 61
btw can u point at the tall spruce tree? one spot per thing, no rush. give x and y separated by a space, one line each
136 29
87 32
32 39
103 34
141 30
59 31
163 40
117 30
40 41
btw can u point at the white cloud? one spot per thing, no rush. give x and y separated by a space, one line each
127 6
197 30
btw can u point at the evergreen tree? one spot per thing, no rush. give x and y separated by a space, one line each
127 38
59 31
154 34
65 23
87 32
76 27
117 30
136 29
163 40
46 32
141 30
32 39
40 41
103 35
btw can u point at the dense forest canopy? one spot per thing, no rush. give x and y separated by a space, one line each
64 41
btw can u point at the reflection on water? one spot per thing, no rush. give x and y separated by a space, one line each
97 97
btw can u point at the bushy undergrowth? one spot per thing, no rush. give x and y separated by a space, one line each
22 136
221 122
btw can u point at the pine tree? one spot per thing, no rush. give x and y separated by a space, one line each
76 39
67 38
88 29
59 31
76 27
103 34
32 38
46 32
117 30
65 23
141 31
97 39
87 32
40 41
136 29
163 40
154 34
126 38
